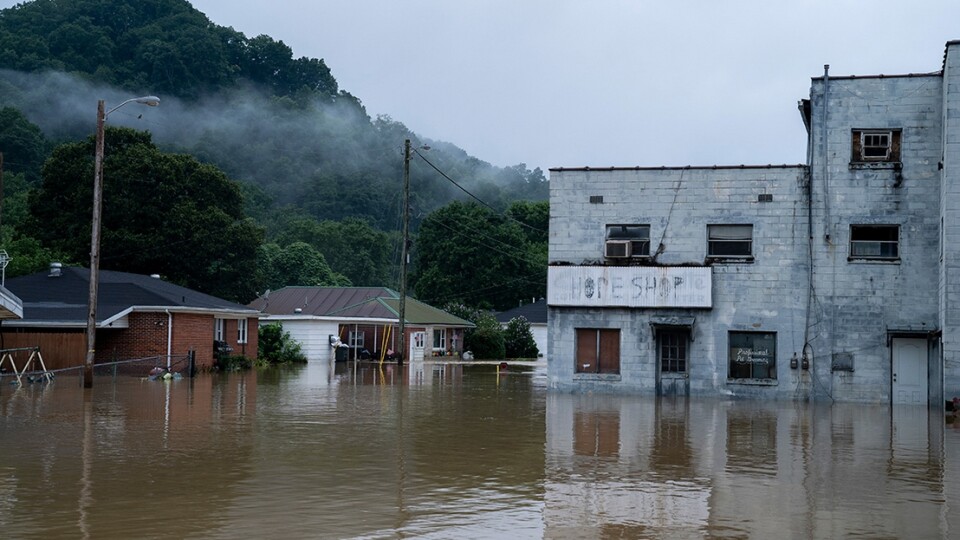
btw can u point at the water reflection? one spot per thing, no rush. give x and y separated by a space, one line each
452 450
643 467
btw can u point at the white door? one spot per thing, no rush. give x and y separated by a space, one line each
910 371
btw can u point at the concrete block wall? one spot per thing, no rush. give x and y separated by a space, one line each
949 267
765 295
858 300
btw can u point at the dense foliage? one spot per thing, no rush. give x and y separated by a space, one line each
163 213
467 253
165 45
518 339
319 200
277 347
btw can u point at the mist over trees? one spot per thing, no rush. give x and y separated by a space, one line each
307 178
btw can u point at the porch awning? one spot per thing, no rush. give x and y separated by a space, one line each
658 323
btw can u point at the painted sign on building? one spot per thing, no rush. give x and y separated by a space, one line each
629 286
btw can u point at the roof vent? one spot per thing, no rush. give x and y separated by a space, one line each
56 269
298 310
155 276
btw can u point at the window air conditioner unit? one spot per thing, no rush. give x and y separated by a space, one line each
617 249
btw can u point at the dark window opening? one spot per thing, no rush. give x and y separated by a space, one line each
875 241
733 241
673 352
627 241
753 355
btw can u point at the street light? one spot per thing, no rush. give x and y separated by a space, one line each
151 101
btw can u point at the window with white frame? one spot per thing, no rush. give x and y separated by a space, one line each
730 241
627 241
876 145
218 329
440 338
877 242
357 339
241 331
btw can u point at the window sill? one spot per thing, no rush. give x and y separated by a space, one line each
611 377
866 260
729 260
875 165
754 382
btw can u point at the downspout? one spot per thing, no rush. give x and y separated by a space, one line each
169 336
823 146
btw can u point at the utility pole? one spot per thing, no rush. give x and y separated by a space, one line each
94 250
404 251
1 188
151 101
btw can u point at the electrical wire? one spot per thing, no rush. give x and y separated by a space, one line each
478 199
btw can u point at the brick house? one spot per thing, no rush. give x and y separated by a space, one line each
137 317
832 279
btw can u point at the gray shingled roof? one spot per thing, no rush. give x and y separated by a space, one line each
534 312
62 299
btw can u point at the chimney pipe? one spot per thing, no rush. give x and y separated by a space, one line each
56 269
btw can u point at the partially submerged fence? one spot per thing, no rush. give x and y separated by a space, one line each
31 368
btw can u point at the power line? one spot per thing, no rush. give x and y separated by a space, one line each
478 199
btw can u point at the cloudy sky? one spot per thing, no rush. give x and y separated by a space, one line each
601 82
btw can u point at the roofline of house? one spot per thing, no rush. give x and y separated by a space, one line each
355 320
233 313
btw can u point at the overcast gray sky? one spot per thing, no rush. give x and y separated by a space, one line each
601 82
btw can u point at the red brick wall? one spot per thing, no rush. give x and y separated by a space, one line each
147 336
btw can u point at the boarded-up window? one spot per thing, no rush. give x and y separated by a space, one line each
881 145
598 350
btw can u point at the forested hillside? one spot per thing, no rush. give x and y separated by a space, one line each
320 179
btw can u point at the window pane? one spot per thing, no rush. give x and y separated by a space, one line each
753 355
730 232
628 232
875 241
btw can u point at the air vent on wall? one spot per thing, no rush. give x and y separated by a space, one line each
765 197
596 199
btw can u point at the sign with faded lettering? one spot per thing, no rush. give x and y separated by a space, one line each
630 286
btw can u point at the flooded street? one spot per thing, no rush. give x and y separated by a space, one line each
452 451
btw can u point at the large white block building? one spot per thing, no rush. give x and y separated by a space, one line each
834 279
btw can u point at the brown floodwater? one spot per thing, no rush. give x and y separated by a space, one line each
454 451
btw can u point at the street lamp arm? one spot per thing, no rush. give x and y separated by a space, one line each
151 101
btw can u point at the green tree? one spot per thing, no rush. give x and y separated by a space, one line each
518 339
467 253
274 346
162 213
353 248
486 339
23 145
297 264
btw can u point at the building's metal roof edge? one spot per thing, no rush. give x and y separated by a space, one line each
683 168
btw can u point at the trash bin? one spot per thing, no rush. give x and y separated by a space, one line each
342 354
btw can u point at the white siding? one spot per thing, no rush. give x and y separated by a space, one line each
313 336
